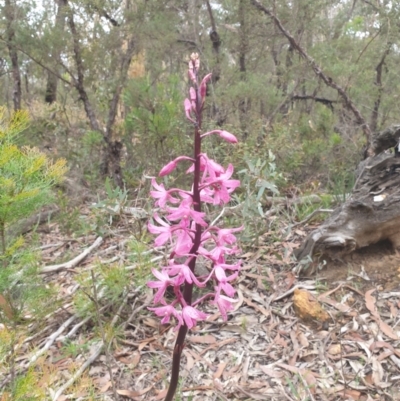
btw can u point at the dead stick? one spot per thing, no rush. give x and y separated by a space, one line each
72 263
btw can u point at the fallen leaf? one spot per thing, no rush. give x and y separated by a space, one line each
134 394
207 339
5 305
220 370
272 372
335 349
129 393
161 395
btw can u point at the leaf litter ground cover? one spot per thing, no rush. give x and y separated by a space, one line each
271 347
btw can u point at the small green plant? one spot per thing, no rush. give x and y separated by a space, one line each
26 175
259 178
26 178
73 349
110 209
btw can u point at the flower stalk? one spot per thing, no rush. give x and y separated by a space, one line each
191 237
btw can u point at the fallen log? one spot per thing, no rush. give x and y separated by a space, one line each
371 213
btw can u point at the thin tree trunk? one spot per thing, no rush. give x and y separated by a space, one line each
216 43
243 47
10 37
360 120
52 79
112 162
378 84
113 147
79 83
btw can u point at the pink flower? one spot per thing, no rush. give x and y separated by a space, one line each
188 110
192 76
166 312
191 316
220 187
171 166
184 271
162 194
236 266
184 242
225 235
206 165
164 231
228 137
184 212
164 282
223 303
223 280
168 168
217 254
203 87
223 134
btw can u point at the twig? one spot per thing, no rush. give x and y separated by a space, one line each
72 263
310 216
103 335
78 373
134 312
51 340
287 293
41 248
320 74
95 355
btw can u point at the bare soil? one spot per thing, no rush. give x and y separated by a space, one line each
375 266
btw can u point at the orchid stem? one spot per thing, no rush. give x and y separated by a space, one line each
188 290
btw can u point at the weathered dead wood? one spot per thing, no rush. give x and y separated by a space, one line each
372 212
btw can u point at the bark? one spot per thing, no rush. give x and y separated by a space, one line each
216 43
243 47
372 213
52 79
10 38
113 147
112 161
360 120
326 102
378 84
79 82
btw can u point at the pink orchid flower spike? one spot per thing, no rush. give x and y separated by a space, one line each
182 227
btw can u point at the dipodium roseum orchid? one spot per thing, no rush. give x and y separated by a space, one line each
192 239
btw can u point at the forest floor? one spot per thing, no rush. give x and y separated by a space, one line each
269 349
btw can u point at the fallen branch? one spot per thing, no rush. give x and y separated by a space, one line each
51 340
311 215
72 263
79 372
91 359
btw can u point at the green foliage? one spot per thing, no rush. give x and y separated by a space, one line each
26 177
155 127
258 179
73 349
26 388
26 174
22 286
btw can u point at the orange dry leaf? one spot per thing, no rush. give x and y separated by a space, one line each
5 306
370 304
307 307
207 339
220 370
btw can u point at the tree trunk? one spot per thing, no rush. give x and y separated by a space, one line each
112 147
52 79
243 48
10 38
372 212
378 84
